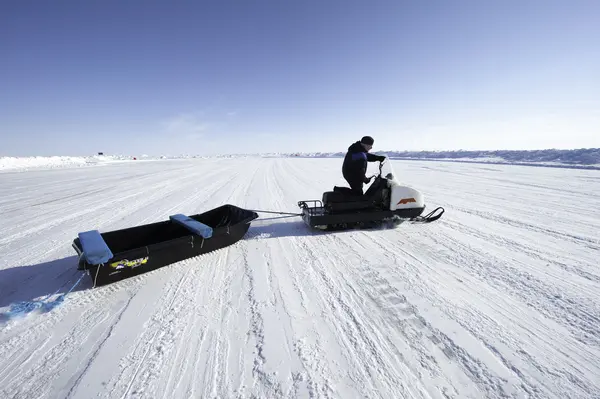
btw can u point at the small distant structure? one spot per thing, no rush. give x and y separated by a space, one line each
100 153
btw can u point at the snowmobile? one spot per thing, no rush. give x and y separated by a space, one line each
385 201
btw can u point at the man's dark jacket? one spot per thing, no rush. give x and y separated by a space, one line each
355 163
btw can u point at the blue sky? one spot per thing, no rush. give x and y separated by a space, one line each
210 77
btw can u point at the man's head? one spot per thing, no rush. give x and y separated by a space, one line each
367 142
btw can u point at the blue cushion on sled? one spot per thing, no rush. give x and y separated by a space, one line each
94 247
193 225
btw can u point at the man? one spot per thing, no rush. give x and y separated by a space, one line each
355 163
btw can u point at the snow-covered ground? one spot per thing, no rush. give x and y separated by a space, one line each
499 298
586 158
12 164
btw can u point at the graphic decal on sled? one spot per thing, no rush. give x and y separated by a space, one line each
129 263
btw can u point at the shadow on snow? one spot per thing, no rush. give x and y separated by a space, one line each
38 287
264 229
41 287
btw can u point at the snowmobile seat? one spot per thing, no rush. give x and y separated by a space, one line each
193 225
94 248
344 199
342 194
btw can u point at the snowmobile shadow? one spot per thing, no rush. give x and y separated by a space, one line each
267 229
33 284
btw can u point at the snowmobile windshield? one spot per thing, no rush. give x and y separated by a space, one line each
387 170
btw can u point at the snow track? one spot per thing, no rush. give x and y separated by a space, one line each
500 298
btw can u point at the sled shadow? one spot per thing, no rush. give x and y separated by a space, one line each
34 282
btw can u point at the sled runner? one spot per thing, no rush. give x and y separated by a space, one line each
119 254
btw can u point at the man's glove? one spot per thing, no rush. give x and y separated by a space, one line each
367 179
381 158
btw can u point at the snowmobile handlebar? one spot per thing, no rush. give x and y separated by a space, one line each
381 164
380 167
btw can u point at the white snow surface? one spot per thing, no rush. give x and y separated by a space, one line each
499 299
13 164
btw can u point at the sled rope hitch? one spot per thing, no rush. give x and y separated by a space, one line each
276 213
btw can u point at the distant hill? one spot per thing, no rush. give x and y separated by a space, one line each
588 158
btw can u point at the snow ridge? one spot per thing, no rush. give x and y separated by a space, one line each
585 158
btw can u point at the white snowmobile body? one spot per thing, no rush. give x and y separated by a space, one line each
401 197
404 197
386 200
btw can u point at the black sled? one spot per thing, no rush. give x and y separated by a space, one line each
119 254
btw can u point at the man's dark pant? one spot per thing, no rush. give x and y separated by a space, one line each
356 186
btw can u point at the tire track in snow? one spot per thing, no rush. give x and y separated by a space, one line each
265 384
428 352
112 287
592 243
74 385
98 203
127 379
493 383
142 199
423 337
257 304
166 339
576 305
471 320
364 346
213 309
192 327
200 368
277 294
218 302
315 376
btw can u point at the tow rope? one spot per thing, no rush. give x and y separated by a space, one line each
286 214
430 217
